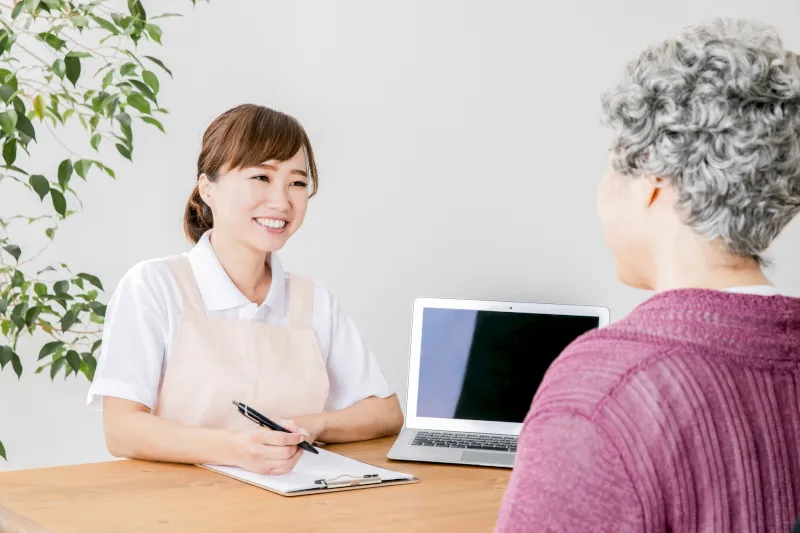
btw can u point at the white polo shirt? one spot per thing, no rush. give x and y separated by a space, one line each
144 311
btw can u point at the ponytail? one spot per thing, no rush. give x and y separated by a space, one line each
197 218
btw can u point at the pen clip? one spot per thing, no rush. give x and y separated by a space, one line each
349 481
252 417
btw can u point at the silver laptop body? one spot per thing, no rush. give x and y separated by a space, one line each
473 371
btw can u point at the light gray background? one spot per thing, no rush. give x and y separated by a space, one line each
458 142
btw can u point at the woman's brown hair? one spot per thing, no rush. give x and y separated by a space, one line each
239 138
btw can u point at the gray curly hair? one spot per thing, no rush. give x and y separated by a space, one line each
717 112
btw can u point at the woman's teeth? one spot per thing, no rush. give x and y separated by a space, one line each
271 223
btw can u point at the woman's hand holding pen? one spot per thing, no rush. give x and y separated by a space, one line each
265 451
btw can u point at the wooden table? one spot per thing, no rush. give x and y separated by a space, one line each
125 496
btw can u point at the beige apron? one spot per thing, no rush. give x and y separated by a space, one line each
277 371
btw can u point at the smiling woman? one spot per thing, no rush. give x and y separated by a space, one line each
260 145
188 334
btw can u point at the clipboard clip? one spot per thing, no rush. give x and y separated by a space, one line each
349 481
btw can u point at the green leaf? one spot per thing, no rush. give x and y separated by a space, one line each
59 202
64 173
124 119
2 449
74 360
111 107
108 78
13 250
32 315
68 320
82 167
6 92
17 365
8 121
59 68
73 65
128 133
151 80
127 69
154 31
105 24
144 89
52 40
40 185
166 15
121 20
5 327
39 106
19 321
90 360
24 125
49 349
17 279
138 102
50 232
154 122
107 170
10 151
136 9
82 55
9 78
40 289
95 141
96 345
3 306
124 151
6 353
98 308
17 10
159 63
94 280
56 366
80 21
61 287
6 41
19 106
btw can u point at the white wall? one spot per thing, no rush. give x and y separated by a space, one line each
458 142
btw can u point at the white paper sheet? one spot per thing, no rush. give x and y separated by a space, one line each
310 468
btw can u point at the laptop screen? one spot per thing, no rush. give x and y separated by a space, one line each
487 365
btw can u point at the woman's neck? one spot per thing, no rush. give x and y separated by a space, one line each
703 265
247 268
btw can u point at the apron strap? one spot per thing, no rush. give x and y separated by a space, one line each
301 301
187 284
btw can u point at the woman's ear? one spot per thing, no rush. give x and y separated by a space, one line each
648 190
204 187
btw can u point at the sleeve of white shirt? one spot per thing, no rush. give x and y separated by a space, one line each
136 326
353 372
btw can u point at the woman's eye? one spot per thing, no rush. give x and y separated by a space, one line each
261 177
300 184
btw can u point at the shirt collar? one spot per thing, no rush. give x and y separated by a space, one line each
216 287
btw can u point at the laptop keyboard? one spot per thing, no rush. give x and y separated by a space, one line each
502 443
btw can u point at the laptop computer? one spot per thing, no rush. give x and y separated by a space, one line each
474 369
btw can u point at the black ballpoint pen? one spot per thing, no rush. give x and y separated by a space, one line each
262 420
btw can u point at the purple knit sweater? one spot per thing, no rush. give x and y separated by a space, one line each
682 417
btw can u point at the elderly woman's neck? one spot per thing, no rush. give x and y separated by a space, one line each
704 265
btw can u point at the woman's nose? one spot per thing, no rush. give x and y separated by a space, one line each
278 199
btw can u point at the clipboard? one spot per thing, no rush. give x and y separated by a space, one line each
319 474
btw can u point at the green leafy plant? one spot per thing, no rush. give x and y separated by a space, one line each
64 63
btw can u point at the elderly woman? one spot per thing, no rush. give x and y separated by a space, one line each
685 415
